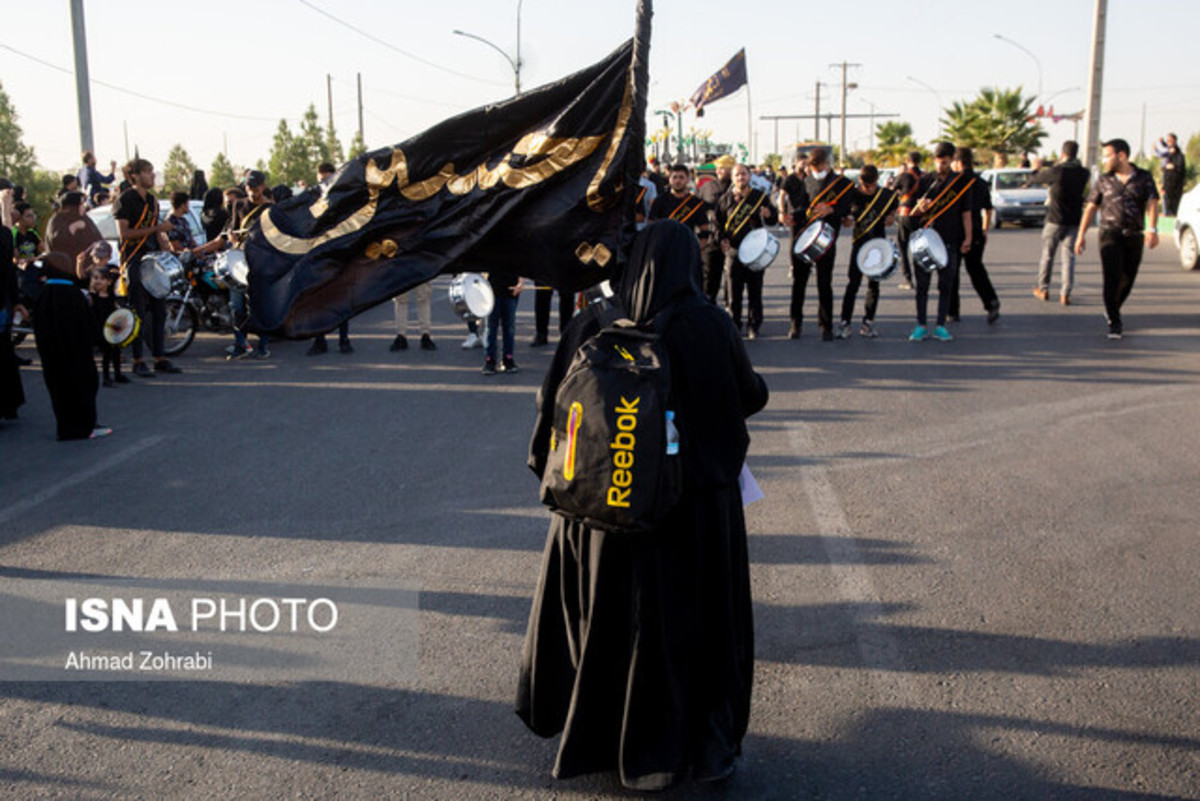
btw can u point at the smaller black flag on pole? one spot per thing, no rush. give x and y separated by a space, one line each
723 83
537 186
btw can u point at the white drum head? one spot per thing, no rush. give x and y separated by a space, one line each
753 245
239 267
120 327
478 296
876 258
809 236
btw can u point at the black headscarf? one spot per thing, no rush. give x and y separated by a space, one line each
664 268
199 186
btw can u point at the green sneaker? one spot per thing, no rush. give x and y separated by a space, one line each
919 334
942 335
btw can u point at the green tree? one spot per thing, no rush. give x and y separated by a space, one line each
178 170
1192 154
772 160
893 142
333 147
287 162
221 174
17 160
997 121
357 147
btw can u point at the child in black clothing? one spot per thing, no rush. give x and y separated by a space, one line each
101 278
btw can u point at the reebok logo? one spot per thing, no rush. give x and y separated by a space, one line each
622 447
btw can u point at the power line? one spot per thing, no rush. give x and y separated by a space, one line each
391 46
140 95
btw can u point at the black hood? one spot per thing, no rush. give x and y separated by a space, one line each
664 268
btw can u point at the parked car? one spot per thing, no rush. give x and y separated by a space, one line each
103 218
1187 230
1013 199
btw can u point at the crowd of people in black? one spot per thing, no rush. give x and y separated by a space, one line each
722 211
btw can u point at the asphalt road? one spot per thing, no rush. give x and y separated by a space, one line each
975 567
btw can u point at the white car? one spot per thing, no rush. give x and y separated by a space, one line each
103 219
1012 200
1187 230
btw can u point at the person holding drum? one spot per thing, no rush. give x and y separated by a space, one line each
820 206
140 233
243 213
873 207
740 211
908 186
712 255
102 289
942 235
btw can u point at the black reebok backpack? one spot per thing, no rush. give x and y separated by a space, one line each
608 464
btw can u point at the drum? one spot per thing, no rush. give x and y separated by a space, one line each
231 269
121 327
878 259
815 241
927 250
471 295
160 271
758 249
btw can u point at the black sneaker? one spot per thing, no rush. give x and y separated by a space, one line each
121 379
994 312
539 341
344 346
318 347
1114 331
427 342
794 332
399 343
826 335
142 370
509 366
165 366
489 366
108 382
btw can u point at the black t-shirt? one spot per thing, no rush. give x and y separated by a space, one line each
689 210
139 212
870 212
738 217
907 185
1065 184
981 199
26 244
1123 205
950 201
833 188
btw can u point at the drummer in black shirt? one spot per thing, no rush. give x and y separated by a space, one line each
873 207
945 206
683 206
739 211
824 196
140 233
907 185
981 214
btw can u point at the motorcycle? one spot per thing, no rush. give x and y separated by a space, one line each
198 298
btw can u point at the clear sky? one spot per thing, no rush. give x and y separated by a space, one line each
246 64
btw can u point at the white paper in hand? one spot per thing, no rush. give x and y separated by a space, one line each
751 492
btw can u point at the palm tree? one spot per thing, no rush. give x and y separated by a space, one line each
997 120
893 142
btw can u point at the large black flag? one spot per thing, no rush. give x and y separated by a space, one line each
537 186
723 82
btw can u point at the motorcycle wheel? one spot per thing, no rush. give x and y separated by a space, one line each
180 330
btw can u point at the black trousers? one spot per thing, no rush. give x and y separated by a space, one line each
945 284
1120 258
854 281
110 356
750 282
541 310
146 304
1170 199
904 230
973 261
800 273
712 260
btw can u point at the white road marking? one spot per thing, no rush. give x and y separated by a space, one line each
22 506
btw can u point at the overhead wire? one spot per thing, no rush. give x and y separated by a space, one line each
393 47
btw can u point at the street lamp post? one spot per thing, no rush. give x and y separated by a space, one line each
1029 53
515 63
936 96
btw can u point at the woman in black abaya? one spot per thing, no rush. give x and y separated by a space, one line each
640 649
62 323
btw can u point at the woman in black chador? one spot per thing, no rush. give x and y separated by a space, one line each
62 323
640 648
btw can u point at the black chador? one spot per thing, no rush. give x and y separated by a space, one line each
640 649
62 323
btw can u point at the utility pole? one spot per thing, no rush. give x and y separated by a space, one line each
817 116
83 91
1142 143
361 138
1091 134
329 94
845 89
